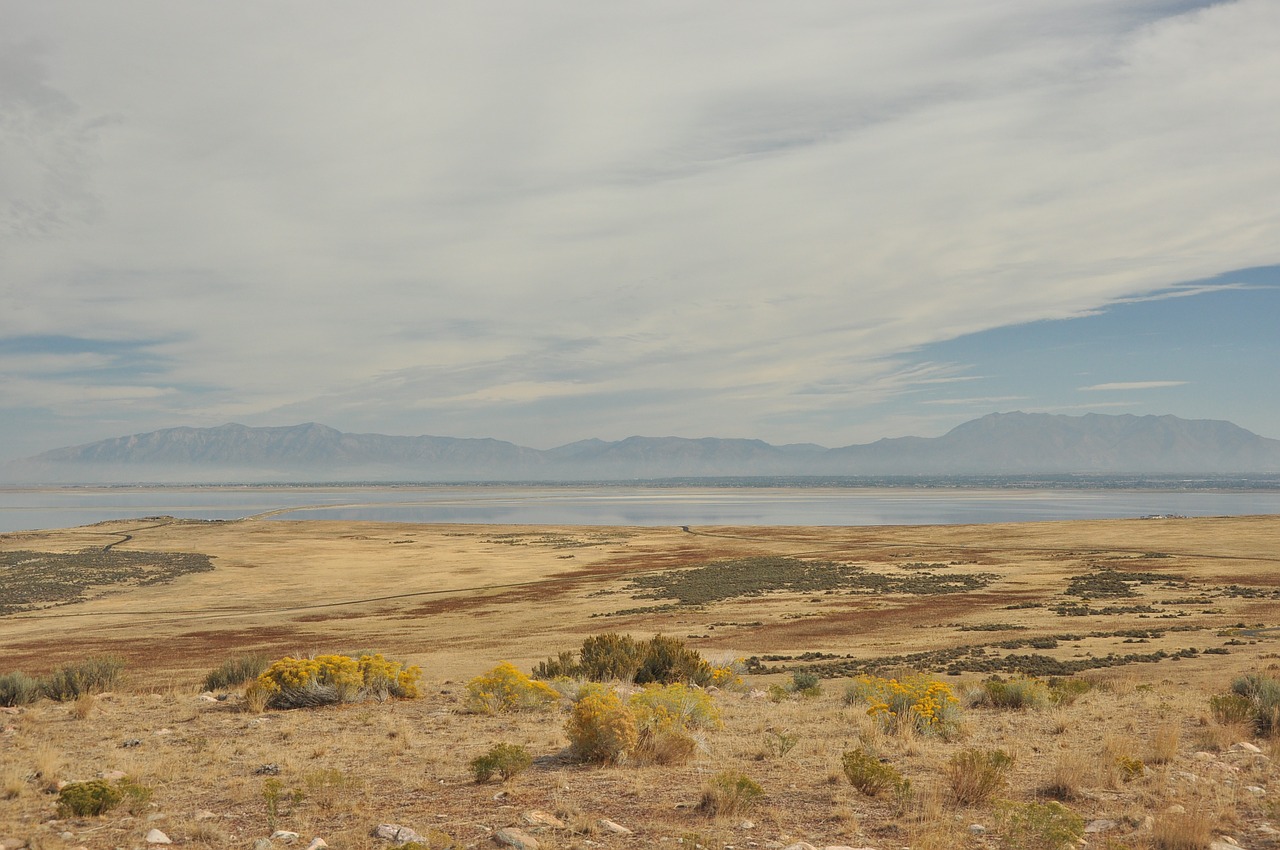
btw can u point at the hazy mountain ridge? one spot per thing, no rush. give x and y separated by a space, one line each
1000 443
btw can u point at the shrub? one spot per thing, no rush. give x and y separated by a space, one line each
976 775
506 760
18 689
730 793
1130 768
1263 694
1064 691
616 657
1230 709
806 683
923 704
729 674
93 675
600 728
234 672
331 679
1039 826
667 660
1020 692
504 689
664 714
611 656
778 743
1182 831
98 796
870 775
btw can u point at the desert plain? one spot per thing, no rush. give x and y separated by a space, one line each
1156 616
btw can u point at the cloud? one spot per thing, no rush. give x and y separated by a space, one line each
1133 385
675 219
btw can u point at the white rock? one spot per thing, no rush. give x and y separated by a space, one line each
396 834
976 829
1203 756
517 838
612 827
540 818
155 836
1256 790
747 824
1247 747
284 836
1099 825
317 844
1175 809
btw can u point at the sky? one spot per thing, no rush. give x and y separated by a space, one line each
816 221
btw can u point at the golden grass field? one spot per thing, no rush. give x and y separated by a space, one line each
457 599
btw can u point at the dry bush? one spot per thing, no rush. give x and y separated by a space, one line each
730 793
17 688
1163 747
1182 831
1018 693
234 672
975 775
1071 773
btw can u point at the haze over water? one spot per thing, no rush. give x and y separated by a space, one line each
27 509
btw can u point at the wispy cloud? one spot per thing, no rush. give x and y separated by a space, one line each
603 220
1133 385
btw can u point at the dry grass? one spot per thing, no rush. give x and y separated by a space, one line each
342 769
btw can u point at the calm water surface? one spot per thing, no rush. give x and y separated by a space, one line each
22 508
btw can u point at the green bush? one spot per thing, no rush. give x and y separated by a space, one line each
93 675
870 775
1019 693
1065 691
98 796
1263 694
730 793
667 660
506 760
18 689
234 672
615 657
1038 826
976 775
806 683
611 656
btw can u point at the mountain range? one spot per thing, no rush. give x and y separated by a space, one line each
997 444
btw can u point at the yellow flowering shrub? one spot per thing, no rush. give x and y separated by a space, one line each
924 704
504 688
329 679
664 714
728 676
600 727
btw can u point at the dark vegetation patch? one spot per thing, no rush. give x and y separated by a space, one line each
744 577
31 580
992 627
1077 609
1112 584
980 658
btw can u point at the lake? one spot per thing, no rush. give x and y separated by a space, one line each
36 508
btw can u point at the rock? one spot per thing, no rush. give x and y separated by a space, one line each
1148 824
1175 809
284 836
747 824
543 819
263 844
517 838
10 843
207 698
155 836
317 844
396 834
204 814
130 742
1224 843
1256 790
271 769
612 827
1100 825
1245 746
977 829
1203 756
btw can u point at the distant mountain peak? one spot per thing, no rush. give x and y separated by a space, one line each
998 443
